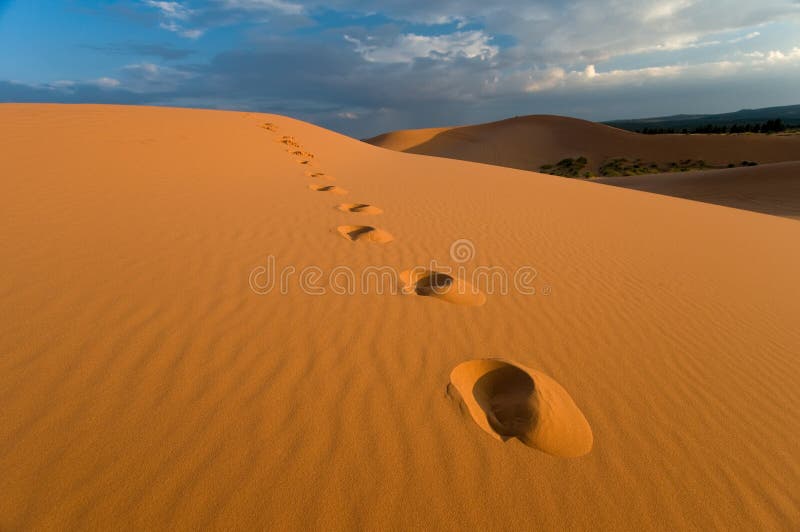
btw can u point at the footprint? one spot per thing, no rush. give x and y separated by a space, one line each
359 233
289 141
320 175
328 188
442 286
269 126
508 400
359 208
302 154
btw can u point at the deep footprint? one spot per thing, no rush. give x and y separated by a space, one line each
441 286
359 208
364 233
508 400
328 188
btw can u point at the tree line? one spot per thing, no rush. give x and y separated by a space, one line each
770 126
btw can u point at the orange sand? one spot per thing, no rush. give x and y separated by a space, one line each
145 385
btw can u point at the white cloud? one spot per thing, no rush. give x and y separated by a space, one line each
409 46
287 8
173 10
348 115
556 77
106 83
171 13
665 9
751 35
150 77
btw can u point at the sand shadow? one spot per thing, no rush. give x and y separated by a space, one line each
507 395
359 208
328 188
357 233
438 285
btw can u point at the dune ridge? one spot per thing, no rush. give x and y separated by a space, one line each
147 384
528 143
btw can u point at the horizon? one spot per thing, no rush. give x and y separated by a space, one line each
403 65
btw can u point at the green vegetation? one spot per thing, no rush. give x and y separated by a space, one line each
568 168
770 126
620 166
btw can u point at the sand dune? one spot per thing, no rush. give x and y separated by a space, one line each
770 189
152 378
529 142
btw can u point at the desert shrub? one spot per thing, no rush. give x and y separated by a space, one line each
567 167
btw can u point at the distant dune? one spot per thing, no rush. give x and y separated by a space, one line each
641 375
530 142
771 188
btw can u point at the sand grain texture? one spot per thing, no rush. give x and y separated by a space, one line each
145 385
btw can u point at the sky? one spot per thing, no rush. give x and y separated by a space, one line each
363 68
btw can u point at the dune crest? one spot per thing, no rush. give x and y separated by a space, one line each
537 142
508 400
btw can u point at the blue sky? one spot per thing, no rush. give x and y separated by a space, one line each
363 68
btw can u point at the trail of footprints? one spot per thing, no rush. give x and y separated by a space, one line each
425 283
505 399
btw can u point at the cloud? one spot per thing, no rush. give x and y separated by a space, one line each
288 8
773 57
665 9
150 77
172 10
408 47
173 15
415 63
751 35
558 78
108 83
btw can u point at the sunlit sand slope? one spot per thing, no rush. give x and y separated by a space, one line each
145 385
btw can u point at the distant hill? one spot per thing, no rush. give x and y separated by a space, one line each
653 163
541 141
790 114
